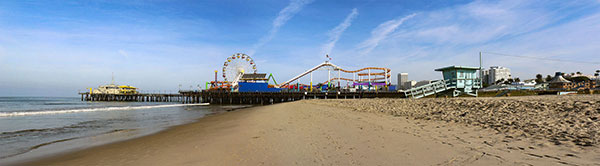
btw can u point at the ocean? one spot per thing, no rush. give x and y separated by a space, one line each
41 125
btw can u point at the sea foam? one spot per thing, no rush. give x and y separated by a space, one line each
9 114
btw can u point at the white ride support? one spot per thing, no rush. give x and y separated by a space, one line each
324 64
235 82
386 74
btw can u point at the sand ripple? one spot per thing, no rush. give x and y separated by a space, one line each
559 119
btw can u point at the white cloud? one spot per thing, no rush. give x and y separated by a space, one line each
335 33
454 36
479 22
380 33
1 54
570 41
122 52
284 15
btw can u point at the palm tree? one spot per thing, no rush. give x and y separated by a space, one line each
548 78
539 78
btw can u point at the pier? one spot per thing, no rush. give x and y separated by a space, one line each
225 97
134 97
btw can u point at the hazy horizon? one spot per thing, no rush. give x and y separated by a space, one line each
58 48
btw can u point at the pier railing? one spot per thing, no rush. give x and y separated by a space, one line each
428 89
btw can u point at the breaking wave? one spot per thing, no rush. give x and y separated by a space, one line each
9 114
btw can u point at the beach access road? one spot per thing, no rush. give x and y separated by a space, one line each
319 133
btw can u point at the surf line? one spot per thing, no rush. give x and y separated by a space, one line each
9 114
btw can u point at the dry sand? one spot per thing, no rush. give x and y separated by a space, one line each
544 130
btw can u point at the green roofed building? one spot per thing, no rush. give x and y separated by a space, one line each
462 78
457 80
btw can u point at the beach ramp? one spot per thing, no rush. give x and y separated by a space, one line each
435 87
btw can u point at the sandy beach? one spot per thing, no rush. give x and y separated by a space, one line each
539 130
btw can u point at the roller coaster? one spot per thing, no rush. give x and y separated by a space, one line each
365 75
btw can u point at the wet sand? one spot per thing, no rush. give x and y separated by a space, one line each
464 131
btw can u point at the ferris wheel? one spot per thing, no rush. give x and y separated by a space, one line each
236 64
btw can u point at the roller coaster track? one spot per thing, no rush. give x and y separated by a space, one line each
346 79
386 73
358 80
367 74
367 68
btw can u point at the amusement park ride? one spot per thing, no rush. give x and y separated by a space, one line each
368 78
240 74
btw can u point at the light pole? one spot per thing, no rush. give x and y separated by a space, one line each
480 71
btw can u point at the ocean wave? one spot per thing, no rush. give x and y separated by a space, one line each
9 114
61 103
60 130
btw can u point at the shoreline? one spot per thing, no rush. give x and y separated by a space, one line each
311 132
55 158
73 145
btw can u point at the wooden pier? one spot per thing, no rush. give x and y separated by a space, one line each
133 97
222 97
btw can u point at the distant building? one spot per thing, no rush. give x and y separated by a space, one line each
409 84
530 82
421 83
496 73
524 83
591 77
404 83
402 79
558 82
484 76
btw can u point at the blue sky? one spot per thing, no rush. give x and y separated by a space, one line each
56 48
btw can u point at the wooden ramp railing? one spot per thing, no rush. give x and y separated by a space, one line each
428 89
